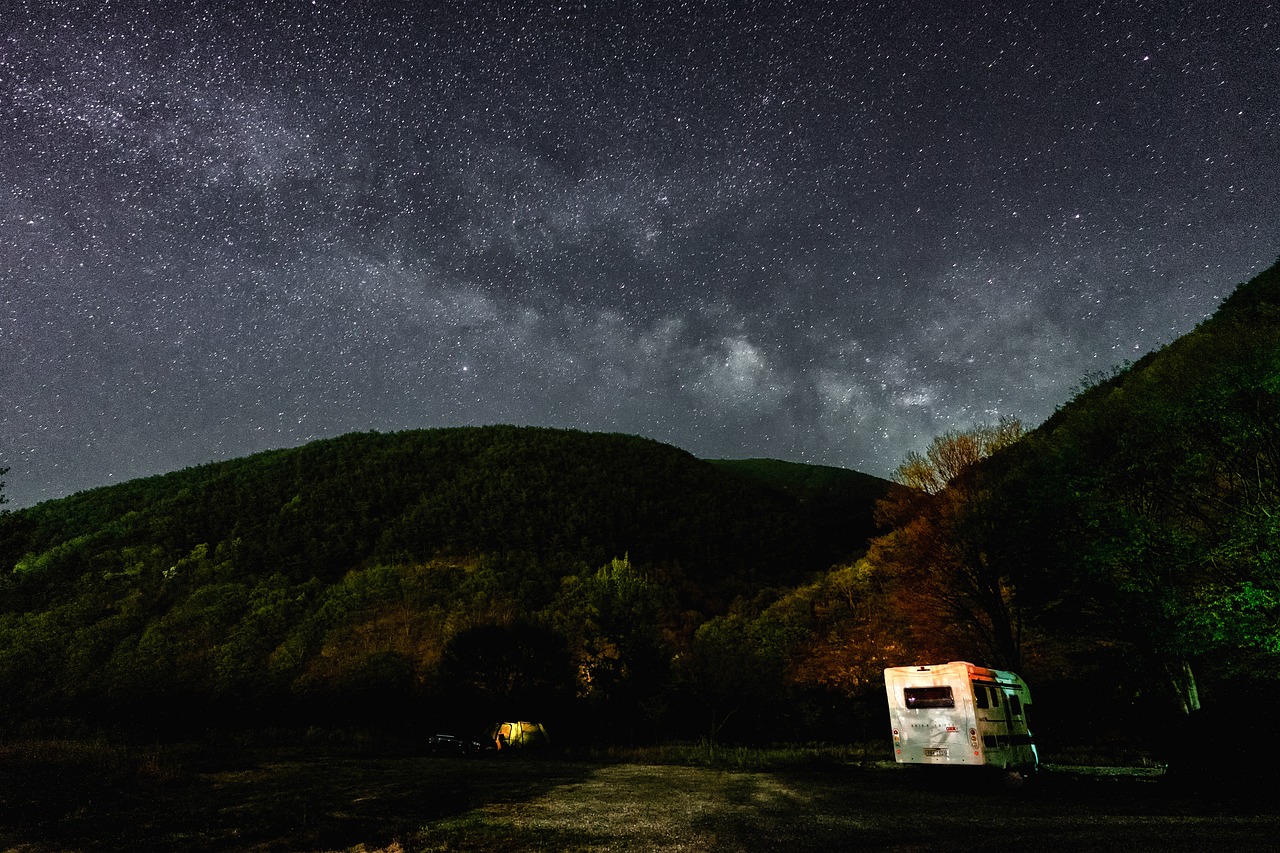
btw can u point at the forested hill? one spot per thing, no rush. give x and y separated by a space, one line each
610 583
560 499
355 561
1140 525
1262 293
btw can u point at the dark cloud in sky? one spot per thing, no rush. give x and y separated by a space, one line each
817 232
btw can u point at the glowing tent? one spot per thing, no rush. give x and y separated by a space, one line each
519 735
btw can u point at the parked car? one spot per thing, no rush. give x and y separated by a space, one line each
446 744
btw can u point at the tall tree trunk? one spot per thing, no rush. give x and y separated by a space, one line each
1183 682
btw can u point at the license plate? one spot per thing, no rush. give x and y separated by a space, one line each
935 752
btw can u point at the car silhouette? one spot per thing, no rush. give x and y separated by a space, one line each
446 744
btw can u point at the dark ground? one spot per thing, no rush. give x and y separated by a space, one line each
60 796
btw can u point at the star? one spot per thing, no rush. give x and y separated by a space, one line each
822 233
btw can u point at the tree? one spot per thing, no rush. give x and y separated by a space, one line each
954 453
3 499
614 623
729 666
846 631
1157 521
938 553
492 673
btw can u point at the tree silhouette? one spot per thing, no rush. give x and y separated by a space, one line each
939 552
493 673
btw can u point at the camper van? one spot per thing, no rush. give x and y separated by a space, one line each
958 713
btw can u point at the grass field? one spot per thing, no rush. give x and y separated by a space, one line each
93 796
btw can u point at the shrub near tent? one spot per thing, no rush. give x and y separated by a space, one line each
519 735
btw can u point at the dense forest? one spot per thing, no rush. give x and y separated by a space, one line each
1123 555
446 576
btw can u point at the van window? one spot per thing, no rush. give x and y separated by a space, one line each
1015 706
928 697
980 694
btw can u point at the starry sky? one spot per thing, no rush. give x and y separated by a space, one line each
820 232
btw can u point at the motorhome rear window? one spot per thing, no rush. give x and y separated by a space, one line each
928 697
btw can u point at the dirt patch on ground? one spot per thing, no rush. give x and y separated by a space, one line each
670 809
495 804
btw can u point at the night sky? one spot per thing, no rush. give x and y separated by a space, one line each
815 232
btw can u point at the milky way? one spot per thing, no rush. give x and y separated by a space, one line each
815 232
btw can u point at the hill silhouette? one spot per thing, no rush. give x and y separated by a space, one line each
525 493
254 577
1140 523
1131 542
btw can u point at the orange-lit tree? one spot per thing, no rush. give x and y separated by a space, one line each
937 557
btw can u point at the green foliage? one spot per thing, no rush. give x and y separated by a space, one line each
734 670
839 632
1259 296
1141 517
339 574
841 502
467 575
1244 617
619 623
496 673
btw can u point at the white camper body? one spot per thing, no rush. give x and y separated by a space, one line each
958 713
